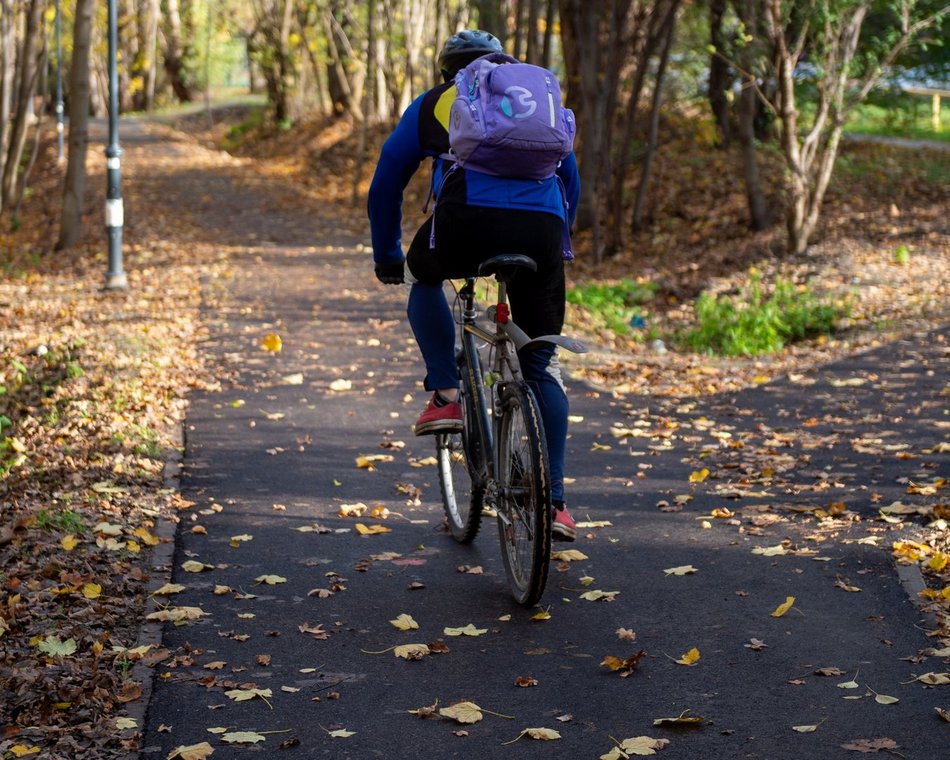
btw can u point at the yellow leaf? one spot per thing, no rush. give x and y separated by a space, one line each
641 745
92 590
594 524
371 530
191 566
68 542
463 712
368 462
597 595
682 719
938 562
352 510
191 752
147 538
272 342
295 379
690 658
341 385
404 622
542 734
586 580
468 630
340 733
175 614
124 723
242 737
411 651
568 555
884 699
770 551
698 476
542 615
935 679
599 446
21 750
270 580
681 570
804 729
243 695
784 607
133 547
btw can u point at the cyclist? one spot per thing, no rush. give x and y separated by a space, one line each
476 217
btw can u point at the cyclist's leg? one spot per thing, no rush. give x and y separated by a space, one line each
434 329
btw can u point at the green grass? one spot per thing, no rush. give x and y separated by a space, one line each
617 306
902 115
755 322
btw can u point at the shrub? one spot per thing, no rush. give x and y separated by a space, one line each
753 323
617 305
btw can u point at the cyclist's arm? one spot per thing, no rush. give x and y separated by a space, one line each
567 171
398 161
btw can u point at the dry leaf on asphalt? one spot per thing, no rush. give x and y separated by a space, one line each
191 752
468 630
411 651
681 570
404 622
242 737
784 607
463 712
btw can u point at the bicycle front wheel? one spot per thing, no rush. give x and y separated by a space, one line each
523 494
462 457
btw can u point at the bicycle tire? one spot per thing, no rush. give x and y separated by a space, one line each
523 496
463 458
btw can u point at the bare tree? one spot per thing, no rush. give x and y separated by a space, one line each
831 33
175 52
28 59
75 185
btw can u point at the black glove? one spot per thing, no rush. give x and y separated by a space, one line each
392 273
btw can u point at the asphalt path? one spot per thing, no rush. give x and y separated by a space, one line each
271 459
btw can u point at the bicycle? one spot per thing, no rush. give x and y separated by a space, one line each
500 458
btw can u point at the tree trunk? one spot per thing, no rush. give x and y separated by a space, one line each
29 68
546 46
492 17
750 57
151 47
532 51
7 65
720 79
667 34
174 53
75 184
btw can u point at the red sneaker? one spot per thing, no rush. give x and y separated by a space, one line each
439 419
563 528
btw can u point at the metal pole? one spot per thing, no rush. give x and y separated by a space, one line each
59 83
115 277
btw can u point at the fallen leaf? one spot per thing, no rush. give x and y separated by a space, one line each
404 622
526 681
770 551
168 589
597 595
626 634
52 646
756 645
784 607
411 651
637 745
192 566
871 745
371 530
541 734
341 733
884 699
352 510
681 721
242 737
698 476
341 384
272 342
243 695
191 752
681 570
270 580
805 729
690 658
568 555
463 712
468 630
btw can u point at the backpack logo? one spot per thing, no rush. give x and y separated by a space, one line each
525 100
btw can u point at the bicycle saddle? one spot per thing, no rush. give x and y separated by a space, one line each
505 265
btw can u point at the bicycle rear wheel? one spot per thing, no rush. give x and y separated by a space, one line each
524 503
463 457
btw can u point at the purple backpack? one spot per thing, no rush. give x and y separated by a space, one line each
507 119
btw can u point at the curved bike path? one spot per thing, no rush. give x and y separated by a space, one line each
271 458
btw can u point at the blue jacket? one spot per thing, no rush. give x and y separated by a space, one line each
422 133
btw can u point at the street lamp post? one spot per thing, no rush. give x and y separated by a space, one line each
59 83
115 277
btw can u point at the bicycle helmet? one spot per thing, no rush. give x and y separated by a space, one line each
463 48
